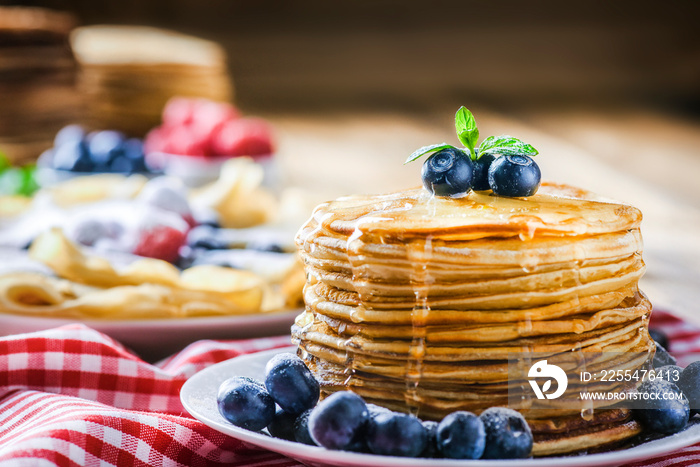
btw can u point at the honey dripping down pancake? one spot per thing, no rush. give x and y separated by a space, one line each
415 301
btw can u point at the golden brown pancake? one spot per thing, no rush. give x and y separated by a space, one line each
420 303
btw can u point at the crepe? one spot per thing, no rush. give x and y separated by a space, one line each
419 304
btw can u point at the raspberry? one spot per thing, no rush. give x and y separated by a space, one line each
179 111
242 137
155 140
184 141
209 116
162 242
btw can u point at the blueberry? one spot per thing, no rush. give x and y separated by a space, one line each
375 410
670 373
291 383
73 156
689 383
659 337
514 176
448 173
339 420
659 412
69 134
105 146
396 434
481 172
245 403
186 256
460 435
662 357
301 429
265 246
282 425
508 435
207 218
121 164
431 447
206 237
359 444
133 150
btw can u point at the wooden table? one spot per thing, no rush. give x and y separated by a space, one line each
641 157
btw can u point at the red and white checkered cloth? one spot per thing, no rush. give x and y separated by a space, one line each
72 396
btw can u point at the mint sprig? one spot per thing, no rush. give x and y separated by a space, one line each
468 135
17 180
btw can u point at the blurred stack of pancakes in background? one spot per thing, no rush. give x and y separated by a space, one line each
128 73
418 303
37 79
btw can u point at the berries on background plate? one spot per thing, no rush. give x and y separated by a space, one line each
508 435
461 435
243 137
208 116
662 357
70 133
396 434
245 403
207 238
99 151
73 156
290 383
514 176
161 242
481 172
105 147
448 172
661 413
339 420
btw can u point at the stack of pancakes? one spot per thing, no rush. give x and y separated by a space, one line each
128 73
418 303
37 79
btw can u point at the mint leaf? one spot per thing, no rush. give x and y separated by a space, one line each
29 183
427 149
467 132
506 145
4 162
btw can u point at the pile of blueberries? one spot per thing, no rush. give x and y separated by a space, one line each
672 393
75 150
286 404
452 173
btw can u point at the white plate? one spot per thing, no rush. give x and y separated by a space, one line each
198 395
157 338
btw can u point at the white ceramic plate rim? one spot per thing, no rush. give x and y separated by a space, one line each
198 385
196 321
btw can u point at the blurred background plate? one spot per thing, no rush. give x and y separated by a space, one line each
158 338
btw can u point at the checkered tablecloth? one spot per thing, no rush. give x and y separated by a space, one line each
73 396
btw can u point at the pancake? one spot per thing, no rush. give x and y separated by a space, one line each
425 305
